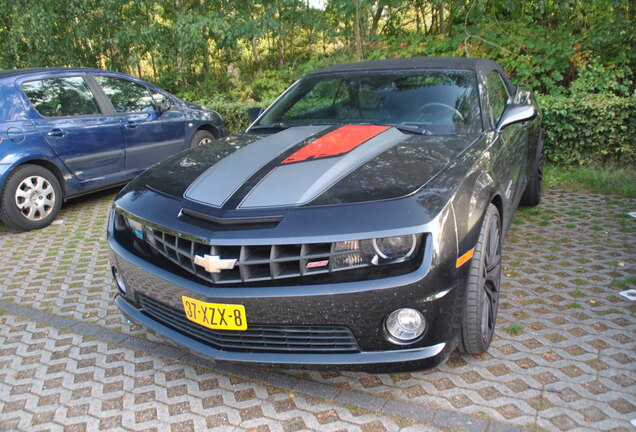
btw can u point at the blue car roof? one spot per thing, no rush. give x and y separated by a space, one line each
33 71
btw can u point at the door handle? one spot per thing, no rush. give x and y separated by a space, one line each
56 133
131 125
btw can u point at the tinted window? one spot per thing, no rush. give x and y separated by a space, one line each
497 95
61 97
436 100
322 96
126 96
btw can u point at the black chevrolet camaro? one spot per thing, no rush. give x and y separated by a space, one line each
356 224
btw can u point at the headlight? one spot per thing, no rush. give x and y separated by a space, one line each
378 251
392 248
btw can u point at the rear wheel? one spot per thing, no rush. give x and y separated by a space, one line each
532 195
31 198
482 290
201 137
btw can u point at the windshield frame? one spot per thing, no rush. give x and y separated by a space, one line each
258 126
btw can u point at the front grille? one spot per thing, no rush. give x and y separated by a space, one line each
296 339
254 263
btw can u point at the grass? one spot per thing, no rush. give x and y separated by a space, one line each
513 329
624 284
608 180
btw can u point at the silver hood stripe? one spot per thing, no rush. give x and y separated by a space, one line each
300 183
217 184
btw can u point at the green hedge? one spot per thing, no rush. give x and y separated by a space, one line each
595 128
590 129
234 113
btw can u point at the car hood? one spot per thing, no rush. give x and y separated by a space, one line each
304 166
194 106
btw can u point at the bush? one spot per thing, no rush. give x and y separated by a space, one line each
595 128
234 113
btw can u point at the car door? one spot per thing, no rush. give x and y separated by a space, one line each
149 134
510 159
71 120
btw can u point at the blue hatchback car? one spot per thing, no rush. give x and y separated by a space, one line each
67 132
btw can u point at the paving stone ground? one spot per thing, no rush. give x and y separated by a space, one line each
563 357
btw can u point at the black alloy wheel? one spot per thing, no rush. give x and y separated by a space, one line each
482 290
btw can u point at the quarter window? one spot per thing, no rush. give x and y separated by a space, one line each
61 97
497 95
126 96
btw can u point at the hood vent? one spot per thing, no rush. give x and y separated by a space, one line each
229 223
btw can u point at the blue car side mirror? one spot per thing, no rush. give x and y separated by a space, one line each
254 113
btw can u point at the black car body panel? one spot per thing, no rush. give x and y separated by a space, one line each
288 203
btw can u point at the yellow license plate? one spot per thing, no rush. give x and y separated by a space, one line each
215 316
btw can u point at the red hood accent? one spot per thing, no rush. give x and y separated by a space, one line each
336 143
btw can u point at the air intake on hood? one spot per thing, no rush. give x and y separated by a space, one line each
253 222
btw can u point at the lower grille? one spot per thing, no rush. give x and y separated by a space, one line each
296 339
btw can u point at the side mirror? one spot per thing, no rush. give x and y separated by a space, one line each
516 114
164 106
254 113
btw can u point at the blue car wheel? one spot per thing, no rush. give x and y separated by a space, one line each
31 198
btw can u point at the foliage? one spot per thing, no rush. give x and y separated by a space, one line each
234 113
608 180
240 50
594 128
197 43
594 121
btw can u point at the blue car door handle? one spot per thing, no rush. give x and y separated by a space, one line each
131 125
56 133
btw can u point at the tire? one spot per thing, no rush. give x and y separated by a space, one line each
31 198
482 288
201 137
532 194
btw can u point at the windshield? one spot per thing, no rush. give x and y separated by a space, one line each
442 102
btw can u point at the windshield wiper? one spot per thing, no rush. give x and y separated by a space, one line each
405 128
280 126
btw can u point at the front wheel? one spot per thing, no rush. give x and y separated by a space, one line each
31 198
201 137
482 289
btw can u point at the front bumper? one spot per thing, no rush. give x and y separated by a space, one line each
360 306
402 360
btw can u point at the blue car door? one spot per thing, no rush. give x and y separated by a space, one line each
150 135
72 122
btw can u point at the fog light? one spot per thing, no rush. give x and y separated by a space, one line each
119 281
405 325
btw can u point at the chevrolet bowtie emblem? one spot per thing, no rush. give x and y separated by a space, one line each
214 263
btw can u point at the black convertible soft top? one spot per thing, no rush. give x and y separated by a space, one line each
465 63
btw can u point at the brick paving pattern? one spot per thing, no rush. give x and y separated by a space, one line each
563 357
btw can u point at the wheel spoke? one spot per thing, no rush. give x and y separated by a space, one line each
493 261
21 194
38 183
48 190
27 210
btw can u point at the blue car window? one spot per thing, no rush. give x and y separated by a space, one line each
126 96
61 97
